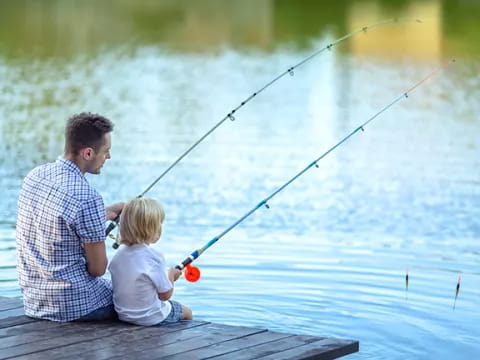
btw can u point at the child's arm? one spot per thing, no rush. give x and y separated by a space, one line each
173 275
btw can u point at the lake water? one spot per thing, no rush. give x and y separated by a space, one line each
329 257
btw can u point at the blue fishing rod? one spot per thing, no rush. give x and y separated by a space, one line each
192 273
231 116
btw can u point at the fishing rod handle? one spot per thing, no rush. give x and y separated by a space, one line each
184 263
112 226
189 259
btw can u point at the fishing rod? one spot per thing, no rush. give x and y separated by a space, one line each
192 273
230 115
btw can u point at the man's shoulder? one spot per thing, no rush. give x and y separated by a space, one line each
39 171
63 181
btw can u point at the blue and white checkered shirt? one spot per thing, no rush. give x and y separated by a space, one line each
58 211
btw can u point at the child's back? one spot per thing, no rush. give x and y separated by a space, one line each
141 286
138 275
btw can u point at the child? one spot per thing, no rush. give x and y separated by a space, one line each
141 286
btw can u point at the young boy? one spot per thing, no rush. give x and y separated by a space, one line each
141 285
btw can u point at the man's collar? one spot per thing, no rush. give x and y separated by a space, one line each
70 165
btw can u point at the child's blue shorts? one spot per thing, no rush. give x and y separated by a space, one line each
175 314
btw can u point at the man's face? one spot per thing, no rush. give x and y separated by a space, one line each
100 156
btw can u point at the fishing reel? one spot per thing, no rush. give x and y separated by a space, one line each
192 273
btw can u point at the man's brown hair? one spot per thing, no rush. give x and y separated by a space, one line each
85 130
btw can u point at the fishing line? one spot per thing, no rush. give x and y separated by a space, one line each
193 274
231 117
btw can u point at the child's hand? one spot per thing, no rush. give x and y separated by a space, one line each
174 274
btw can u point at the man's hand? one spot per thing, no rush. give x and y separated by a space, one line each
114 210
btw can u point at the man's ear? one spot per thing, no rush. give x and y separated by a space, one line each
87 153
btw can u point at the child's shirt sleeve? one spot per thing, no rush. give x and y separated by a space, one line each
158 272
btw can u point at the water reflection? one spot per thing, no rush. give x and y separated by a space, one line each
45 28
409 41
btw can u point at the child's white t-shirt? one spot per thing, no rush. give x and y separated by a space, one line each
138 275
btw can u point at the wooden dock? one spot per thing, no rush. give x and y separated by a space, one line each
22 337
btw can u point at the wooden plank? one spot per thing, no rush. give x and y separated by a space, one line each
55 332
228 347
188 340
25 338
272 348
15 320
52 338
35 325
12 312
325 349
10 303
123 340
136 348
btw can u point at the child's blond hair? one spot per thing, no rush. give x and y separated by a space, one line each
141 221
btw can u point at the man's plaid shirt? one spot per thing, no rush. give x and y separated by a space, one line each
58 211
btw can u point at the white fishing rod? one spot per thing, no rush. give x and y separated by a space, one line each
231 116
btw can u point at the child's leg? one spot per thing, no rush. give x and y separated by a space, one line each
186 313
178 312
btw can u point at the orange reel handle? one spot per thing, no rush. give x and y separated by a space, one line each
192 273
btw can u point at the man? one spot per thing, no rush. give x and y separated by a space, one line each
60 233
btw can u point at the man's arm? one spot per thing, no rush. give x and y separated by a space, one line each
114 210
96 255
